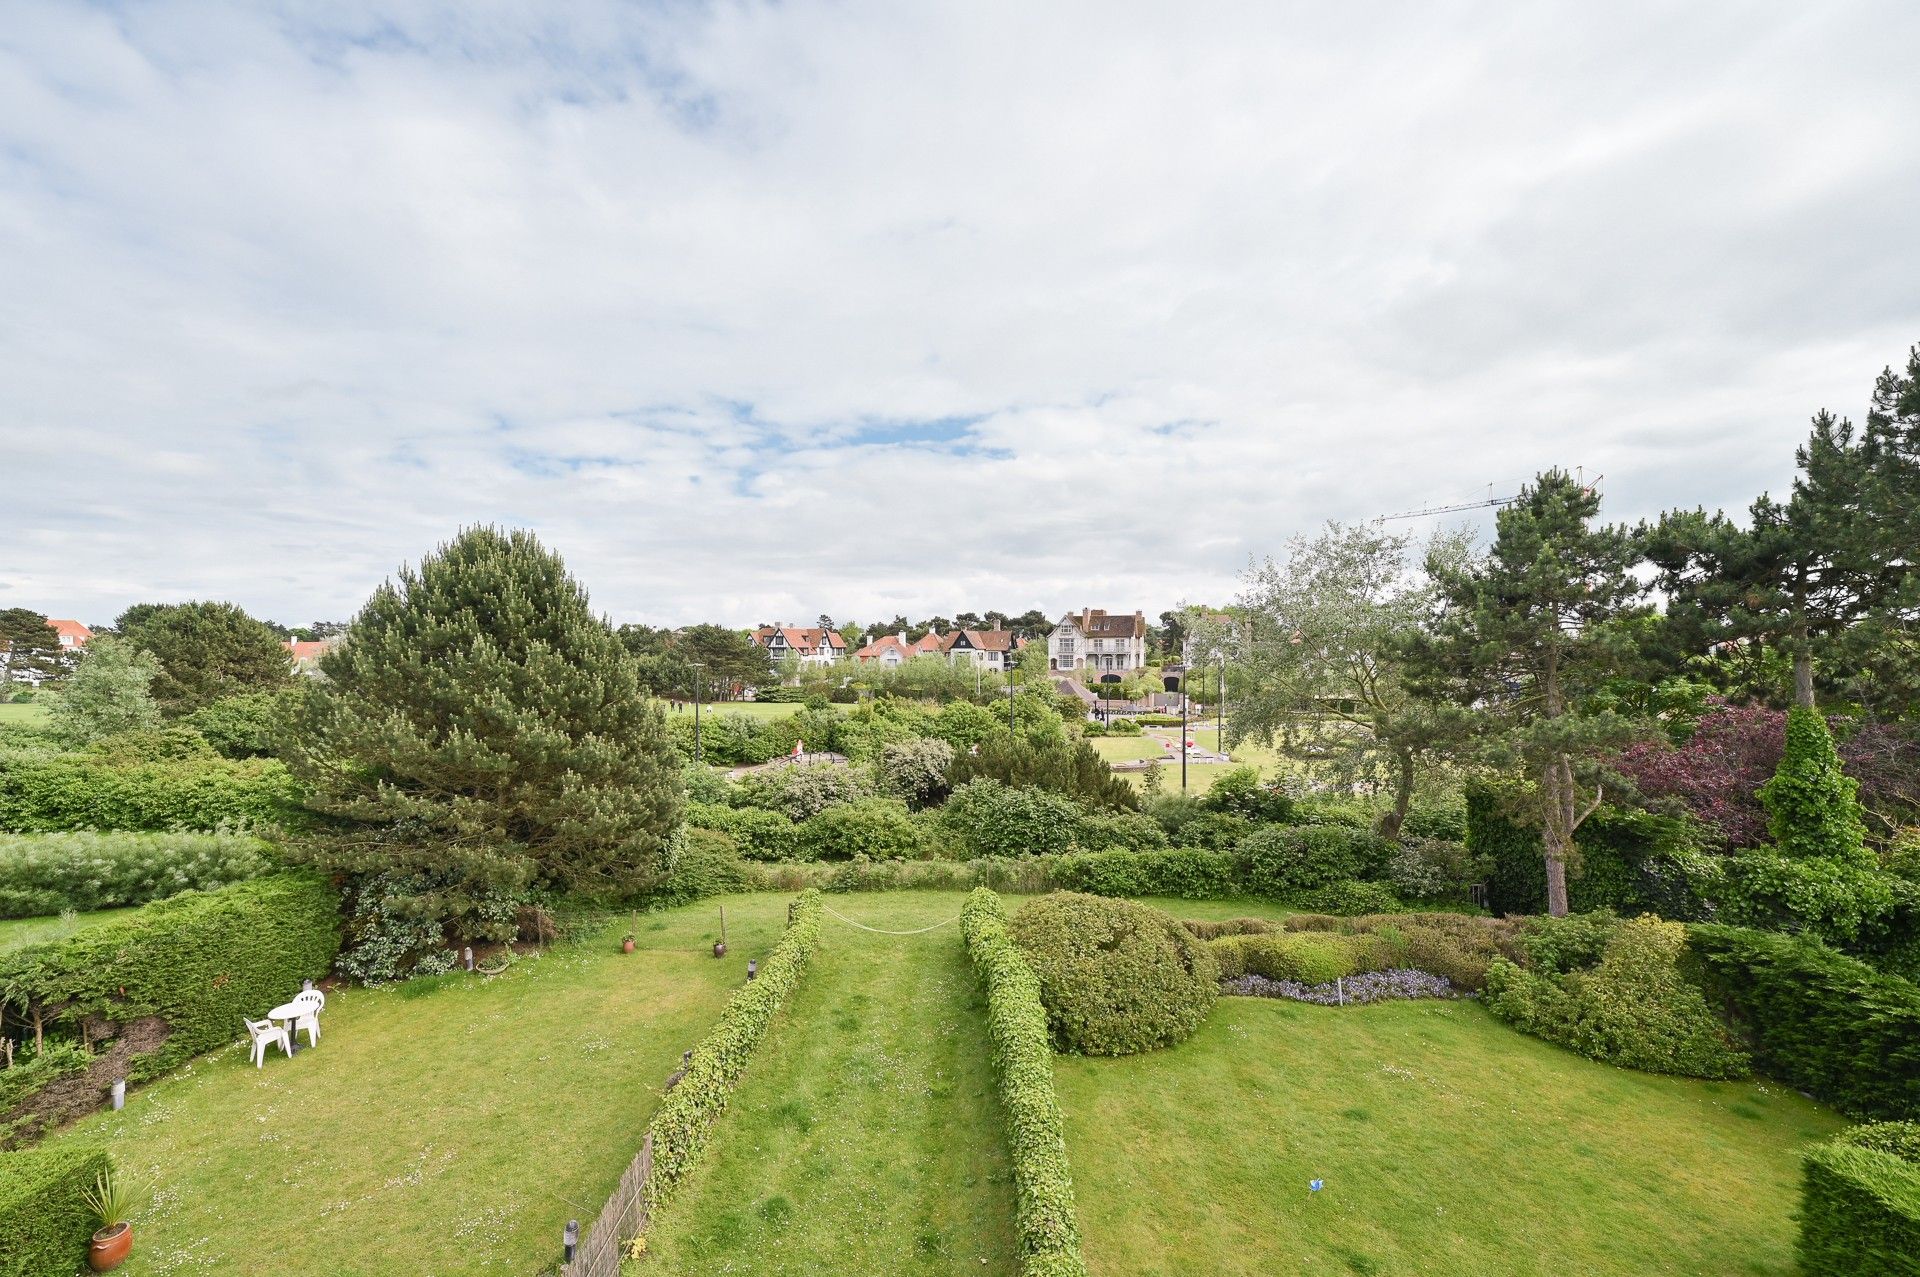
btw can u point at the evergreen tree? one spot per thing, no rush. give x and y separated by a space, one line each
1520 642
494 726
29 647
1812 805
206 651
108 693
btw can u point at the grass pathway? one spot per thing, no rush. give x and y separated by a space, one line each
866 1136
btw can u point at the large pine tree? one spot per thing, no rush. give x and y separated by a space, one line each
206 651
1522 640
480 709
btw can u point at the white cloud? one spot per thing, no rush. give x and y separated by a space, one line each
287 298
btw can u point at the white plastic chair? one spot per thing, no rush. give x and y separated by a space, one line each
315 1001
264 1034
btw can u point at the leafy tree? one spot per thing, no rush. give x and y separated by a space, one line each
205 651
250 725
1717 772
482 714
1065 766
1324 672
1521 638
1812 805
107 694
29 647
729 658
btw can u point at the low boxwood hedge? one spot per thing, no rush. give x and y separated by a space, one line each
1860 1204
45 1222
684 1119
1829 1024
1046 1234
51 793
46 873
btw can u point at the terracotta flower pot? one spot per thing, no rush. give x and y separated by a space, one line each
110 1248
626 946
719 948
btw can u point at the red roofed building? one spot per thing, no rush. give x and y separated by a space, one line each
306 654
812 646
73 635
896 649
988 649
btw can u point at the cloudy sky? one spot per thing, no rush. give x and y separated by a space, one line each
758 311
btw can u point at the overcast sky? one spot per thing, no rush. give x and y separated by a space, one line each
754 312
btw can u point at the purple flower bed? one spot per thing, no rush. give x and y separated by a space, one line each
1375 986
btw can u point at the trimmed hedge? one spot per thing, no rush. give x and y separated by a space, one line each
1186 872
199 962
41 793
680 1126
1116 977
46 873
45 1222
1829 1024
1860 1204
1045 1232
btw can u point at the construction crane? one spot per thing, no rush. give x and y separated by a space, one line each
1488 501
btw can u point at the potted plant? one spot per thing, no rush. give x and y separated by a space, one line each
111 1201
626 943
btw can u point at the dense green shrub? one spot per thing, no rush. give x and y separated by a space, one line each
48 873
1635 1009
174 744
1308 957
1623 857
1826 1023
247 726
1069 767
988 818
1282 862
759 833
1213 929
1860 1203
802 792
1444 821
1240 793
1183 872
1190 825
1555 946
701 863
410 922
1433 869
1813 808
199 961
682 1122
61 792
45 1222
1046 1235
1348 896
1832 897
915 771
877 828
1117 977
1121 830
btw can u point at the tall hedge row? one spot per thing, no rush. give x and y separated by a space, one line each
1620 855
1047 1235
680 1127
1860 1204
48 793
45 1222
1829 1024
46 873
199 961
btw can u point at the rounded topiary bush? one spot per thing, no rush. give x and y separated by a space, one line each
1116 977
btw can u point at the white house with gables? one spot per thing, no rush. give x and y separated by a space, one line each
812 646
1097 642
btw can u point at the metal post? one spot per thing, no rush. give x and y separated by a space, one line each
1183 732
696 666
1221 740
570 1238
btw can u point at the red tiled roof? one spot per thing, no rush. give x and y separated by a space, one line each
71 630
1098 623
984 640
303 650
805 639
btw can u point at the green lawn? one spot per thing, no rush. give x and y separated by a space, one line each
15 932
866 1137
1122 749
1447 1142
751 709
22 712
449 1126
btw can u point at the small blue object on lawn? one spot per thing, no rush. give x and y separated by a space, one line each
1315 1185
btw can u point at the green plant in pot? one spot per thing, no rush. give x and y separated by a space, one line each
111 1200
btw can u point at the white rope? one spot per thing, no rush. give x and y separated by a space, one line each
878 932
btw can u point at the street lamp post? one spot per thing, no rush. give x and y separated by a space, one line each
1183 733
696 666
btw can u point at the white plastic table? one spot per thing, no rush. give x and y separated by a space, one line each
291 1013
